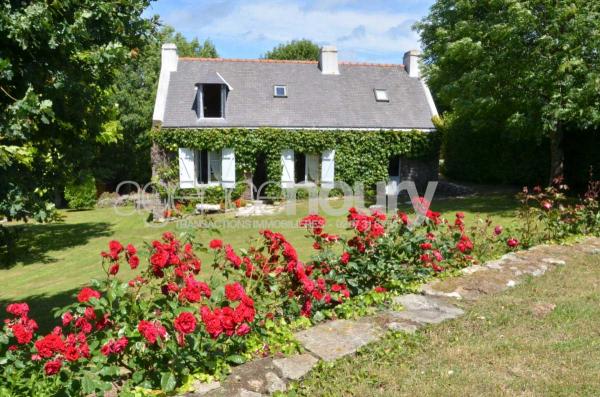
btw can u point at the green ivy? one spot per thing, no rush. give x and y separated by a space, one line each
361 156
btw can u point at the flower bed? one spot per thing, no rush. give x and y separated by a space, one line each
172 322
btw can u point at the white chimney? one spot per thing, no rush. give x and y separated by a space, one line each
168 64
328 60
411 62
169 57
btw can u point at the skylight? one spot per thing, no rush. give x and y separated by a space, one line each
381 95
280 91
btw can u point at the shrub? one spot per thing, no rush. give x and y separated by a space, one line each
81 193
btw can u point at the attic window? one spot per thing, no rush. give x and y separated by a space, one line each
280 91
210 101
381 95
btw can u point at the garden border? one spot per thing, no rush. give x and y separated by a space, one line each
335 339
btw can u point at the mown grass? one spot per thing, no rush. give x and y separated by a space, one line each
499 348
52 261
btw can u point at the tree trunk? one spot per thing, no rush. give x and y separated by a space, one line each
556 154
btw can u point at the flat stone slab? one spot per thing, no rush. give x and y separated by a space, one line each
253 378
295 367
426 316
335 339
414 302
422 309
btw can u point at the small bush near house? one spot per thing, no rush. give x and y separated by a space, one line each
169 325
81 193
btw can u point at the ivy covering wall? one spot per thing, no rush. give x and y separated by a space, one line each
359 155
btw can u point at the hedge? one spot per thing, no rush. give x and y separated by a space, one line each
494 155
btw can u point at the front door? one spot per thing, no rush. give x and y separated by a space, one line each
259 177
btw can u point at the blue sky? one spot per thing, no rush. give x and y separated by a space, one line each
363 30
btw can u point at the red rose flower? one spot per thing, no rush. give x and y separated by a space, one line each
131 250
67 318
52 367
134 261
234 292
48 345
22 333
345 258
232 257
115 246
86 294
114 346
18 309
151 330
512 242
242 330
185 323
498 230
114 269
215 244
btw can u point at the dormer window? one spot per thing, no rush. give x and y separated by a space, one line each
381 95
210 101
280 91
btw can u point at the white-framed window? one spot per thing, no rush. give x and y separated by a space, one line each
208 167
307 168
210 101
381 95
280 91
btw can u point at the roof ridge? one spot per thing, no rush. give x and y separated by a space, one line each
242 60
347 63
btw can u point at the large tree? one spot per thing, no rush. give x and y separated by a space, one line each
58 64
530 66
295 50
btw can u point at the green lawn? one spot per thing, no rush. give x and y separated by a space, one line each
501 347
52 261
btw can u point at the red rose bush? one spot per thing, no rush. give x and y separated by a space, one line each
171 321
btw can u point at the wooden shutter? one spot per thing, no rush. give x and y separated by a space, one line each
287 165
187 168
327 168
228 168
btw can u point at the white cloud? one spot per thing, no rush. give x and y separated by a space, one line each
381 35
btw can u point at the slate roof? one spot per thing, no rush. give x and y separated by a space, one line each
314 100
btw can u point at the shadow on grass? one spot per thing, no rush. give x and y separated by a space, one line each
41 308
31 243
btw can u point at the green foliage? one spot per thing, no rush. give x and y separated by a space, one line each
361 156
58 64
81 193
516 68
295 50
494 155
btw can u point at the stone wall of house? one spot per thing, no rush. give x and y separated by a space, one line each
419 171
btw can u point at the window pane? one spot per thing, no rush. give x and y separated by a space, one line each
211 100
215 167
381 95
299 167
312 168
280 90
